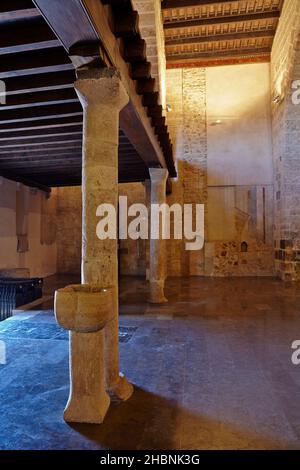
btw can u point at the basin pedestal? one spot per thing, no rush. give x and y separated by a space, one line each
85 310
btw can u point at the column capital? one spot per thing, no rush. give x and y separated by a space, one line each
158 175
101 86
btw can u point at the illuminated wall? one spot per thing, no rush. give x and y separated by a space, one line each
221 129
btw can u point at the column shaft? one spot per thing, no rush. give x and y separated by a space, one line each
157 247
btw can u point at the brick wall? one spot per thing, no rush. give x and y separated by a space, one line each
285 67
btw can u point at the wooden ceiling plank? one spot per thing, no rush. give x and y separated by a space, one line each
44 123
33 60
30 83
31 141
172 4
218 54
39 112
26 181
37 133
16 5
220 37
221 19
39 98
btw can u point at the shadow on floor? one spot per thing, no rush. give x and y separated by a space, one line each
149 421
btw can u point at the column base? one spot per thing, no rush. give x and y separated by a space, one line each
87 409
157 295
122 390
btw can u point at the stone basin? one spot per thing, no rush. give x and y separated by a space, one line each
83 308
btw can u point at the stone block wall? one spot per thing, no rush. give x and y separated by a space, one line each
285 68
132 254
69 224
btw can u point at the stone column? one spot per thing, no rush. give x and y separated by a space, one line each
102 96
159 178
147 185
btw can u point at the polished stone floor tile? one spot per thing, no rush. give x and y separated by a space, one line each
212 370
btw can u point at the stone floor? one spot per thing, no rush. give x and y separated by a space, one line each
212 370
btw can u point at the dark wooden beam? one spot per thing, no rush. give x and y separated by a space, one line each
28 182
151 99
220 37
126 24
58 140
158 121
170 4
140 70
155 111
218 54
88 21
133 119
40 158
39 98
146 86
23 149
31 168
69 21
134 50
43 123
15 5
23 35
221 19
35 133
45 153
50 111
39 82
33 59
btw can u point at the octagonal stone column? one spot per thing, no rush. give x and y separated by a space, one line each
157 276
102 96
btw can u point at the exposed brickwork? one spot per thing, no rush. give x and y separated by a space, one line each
285 67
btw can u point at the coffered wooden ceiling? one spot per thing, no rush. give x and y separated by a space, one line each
211 32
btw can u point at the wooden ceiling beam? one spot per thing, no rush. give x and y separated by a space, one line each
86 21
217 54
30 83
134 50
27 152
25 34
15 5
16 64
39 98
58 139
140 70
172 4
126 24
221 19
220 37
146 86
44 123
28 182
61 152
50 111
38 133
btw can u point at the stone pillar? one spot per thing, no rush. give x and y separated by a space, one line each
147 185
102 96
159 178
